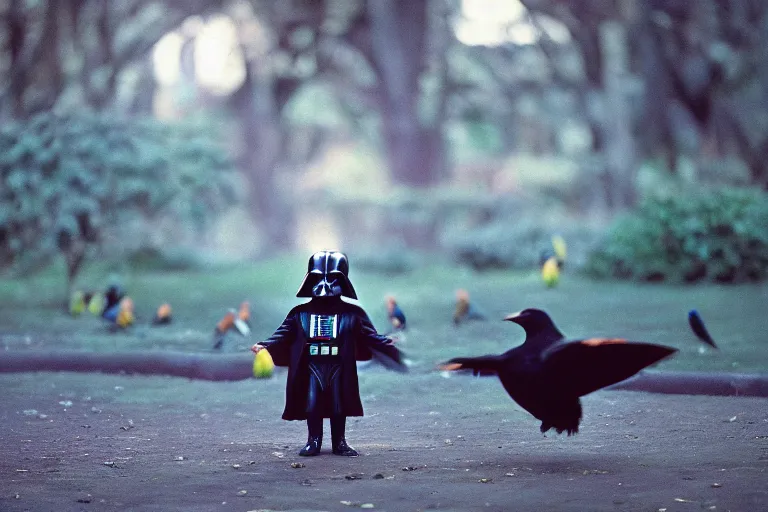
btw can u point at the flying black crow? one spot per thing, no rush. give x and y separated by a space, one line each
547 374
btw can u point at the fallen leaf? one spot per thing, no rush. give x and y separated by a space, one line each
297 465
731 420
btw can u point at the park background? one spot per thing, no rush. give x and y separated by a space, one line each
196 152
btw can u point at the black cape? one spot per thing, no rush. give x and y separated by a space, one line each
358 341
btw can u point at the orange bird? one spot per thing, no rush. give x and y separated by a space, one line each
238 320
464 308
163 315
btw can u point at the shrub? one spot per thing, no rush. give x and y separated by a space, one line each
716 235
69 182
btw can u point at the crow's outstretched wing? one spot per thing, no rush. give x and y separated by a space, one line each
483 365
583 366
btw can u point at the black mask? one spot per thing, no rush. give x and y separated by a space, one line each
327 276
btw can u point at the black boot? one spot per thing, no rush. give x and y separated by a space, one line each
315 438
312 447
340 446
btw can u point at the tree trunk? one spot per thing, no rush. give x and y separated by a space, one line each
620 150
262 146
398 48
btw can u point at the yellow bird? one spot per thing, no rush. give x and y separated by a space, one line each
77 303
263 366
96 304
561 250
125 313
550 272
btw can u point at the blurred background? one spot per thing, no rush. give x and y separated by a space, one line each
178 132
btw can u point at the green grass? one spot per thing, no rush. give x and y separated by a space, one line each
32 317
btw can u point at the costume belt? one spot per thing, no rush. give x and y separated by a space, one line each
322 349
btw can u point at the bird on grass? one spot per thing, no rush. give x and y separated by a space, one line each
238 320
395 314
242 321
465 310
558 251
548 374
112 297
163 315
550 272
96 303
121 314
77 303
699 329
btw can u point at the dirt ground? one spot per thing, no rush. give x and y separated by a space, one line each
111 442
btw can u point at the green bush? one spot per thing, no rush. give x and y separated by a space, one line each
719 236
72 185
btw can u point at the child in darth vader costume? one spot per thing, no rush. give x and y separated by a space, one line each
320 342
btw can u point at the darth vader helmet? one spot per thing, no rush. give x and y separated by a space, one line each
327 276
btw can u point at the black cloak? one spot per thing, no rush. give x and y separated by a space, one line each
357 340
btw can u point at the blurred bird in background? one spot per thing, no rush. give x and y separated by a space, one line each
465 310
548 374
121 314
96 303
238 320
118 309
558 250
163 315
220 332
112 297
552 261
395 314
699 329
550 272
242 321
77 303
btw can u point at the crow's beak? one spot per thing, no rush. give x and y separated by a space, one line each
512 317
